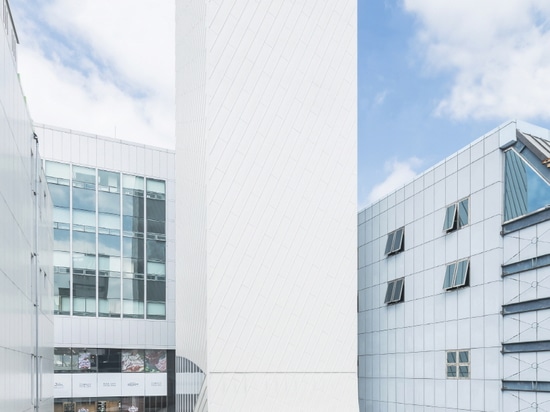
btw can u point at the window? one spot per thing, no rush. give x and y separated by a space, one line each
394 293
456 274
456 216
458 364
395 242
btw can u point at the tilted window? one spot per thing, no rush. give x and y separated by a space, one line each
395 242
456 274
394 293
456 216
458 364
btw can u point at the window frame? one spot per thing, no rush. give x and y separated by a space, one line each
395 291
398 235
457 364
450 225
452 273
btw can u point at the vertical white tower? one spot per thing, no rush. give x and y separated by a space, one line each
266 202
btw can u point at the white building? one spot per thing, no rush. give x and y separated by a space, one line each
26 274
266 123
454 282
114 270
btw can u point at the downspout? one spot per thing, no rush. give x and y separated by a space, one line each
36 267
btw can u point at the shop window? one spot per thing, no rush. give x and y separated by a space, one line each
394 292
458 364
456 216
456 274
132 361
395 242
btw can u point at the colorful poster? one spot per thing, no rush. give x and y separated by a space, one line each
155 361
132 361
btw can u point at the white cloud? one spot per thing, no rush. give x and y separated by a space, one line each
496 52
100 66
399 173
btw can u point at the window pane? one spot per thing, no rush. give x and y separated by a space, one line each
154 226
109 221
389 292
132 361
86 360
63 360
62 259
83 174
398 240
132 225
109 296
156 298
84 218
463 213
61 214
155 186
83 199
133 295
109 360
60 195
61 240
449 274
156 310
463 356
461 273
62 292
108 202
155 360
156 250
82 262
156 268
397 290
389 243
109 264
451 371
464 371
83 242
451 357
156 209
108 245
450 218
133 206
133 247
84 296
109 180
59 170
132 182
132 265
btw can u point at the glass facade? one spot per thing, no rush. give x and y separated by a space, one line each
109 242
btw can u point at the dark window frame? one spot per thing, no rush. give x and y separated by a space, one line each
395 291
395 242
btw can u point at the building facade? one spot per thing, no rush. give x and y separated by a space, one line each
114 277
26 273
266 140
453 282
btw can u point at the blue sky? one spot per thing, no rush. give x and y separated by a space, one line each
432 75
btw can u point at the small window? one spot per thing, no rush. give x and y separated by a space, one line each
458 364
394 293
456 216
395 242
456 274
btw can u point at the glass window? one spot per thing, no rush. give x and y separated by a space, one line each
155 360
108 181
156 298
155 187
395 243
84 175
109 221
130 265
156 250
108 202
62 259
60 195
133 206
83 263
156 209
458 364
133 297
63 360
83 199
109 360
61 215
394 291
109 296
456 274
84 295
109 265
133 361
62 292
86 360
156 268
525 190
456 216
108 245
84 218
58 170
132 225
61 240
156 227
133 182
133 247
84 242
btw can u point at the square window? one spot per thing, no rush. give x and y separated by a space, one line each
456 274
458 364
456 216
394 292
395 242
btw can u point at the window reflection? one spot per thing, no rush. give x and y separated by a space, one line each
83 199
109 296
109 202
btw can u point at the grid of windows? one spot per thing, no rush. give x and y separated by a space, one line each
456 274
456 216
394 292
458 364
109 242
395 242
